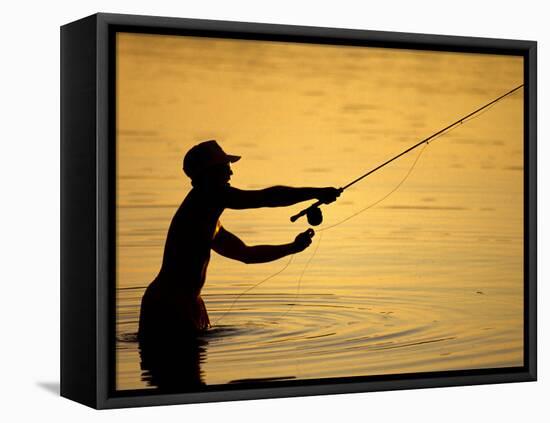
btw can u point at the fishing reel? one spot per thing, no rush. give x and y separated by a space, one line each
313 214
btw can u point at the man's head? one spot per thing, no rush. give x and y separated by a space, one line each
206 162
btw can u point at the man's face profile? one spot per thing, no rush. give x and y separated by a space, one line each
216 175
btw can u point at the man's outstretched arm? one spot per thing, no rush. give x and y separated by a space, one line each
228 245
277 196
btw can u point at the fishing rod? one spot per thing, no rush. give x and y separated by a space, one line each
313 212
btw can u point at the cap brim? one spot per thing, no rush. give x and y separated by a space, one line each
233 159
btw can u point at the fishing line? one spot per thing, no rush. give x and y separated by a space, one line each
252 287
470 117
313 212
473 115
300 279
321 230
317 247
325 228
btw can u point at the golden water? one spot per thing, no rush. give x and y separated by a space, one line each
430 279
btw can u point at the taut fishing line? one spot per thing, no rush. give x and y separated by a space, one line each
475 114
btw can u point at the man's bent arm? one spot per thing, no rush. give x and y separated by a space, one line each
230 246
266 253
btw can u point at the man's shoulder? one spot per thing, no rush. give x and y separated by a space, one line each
209 197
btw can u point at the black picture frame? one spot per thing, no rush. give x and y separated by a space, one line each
88 201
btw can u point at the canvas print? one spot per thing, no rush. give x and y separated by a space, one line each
410 260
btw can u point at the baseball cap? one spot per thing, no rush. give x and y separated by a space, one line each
204 155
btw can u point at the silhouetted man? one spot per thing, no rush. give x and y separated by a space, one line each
172 305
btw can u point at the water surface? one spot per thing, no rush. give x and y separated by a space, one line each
429 279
